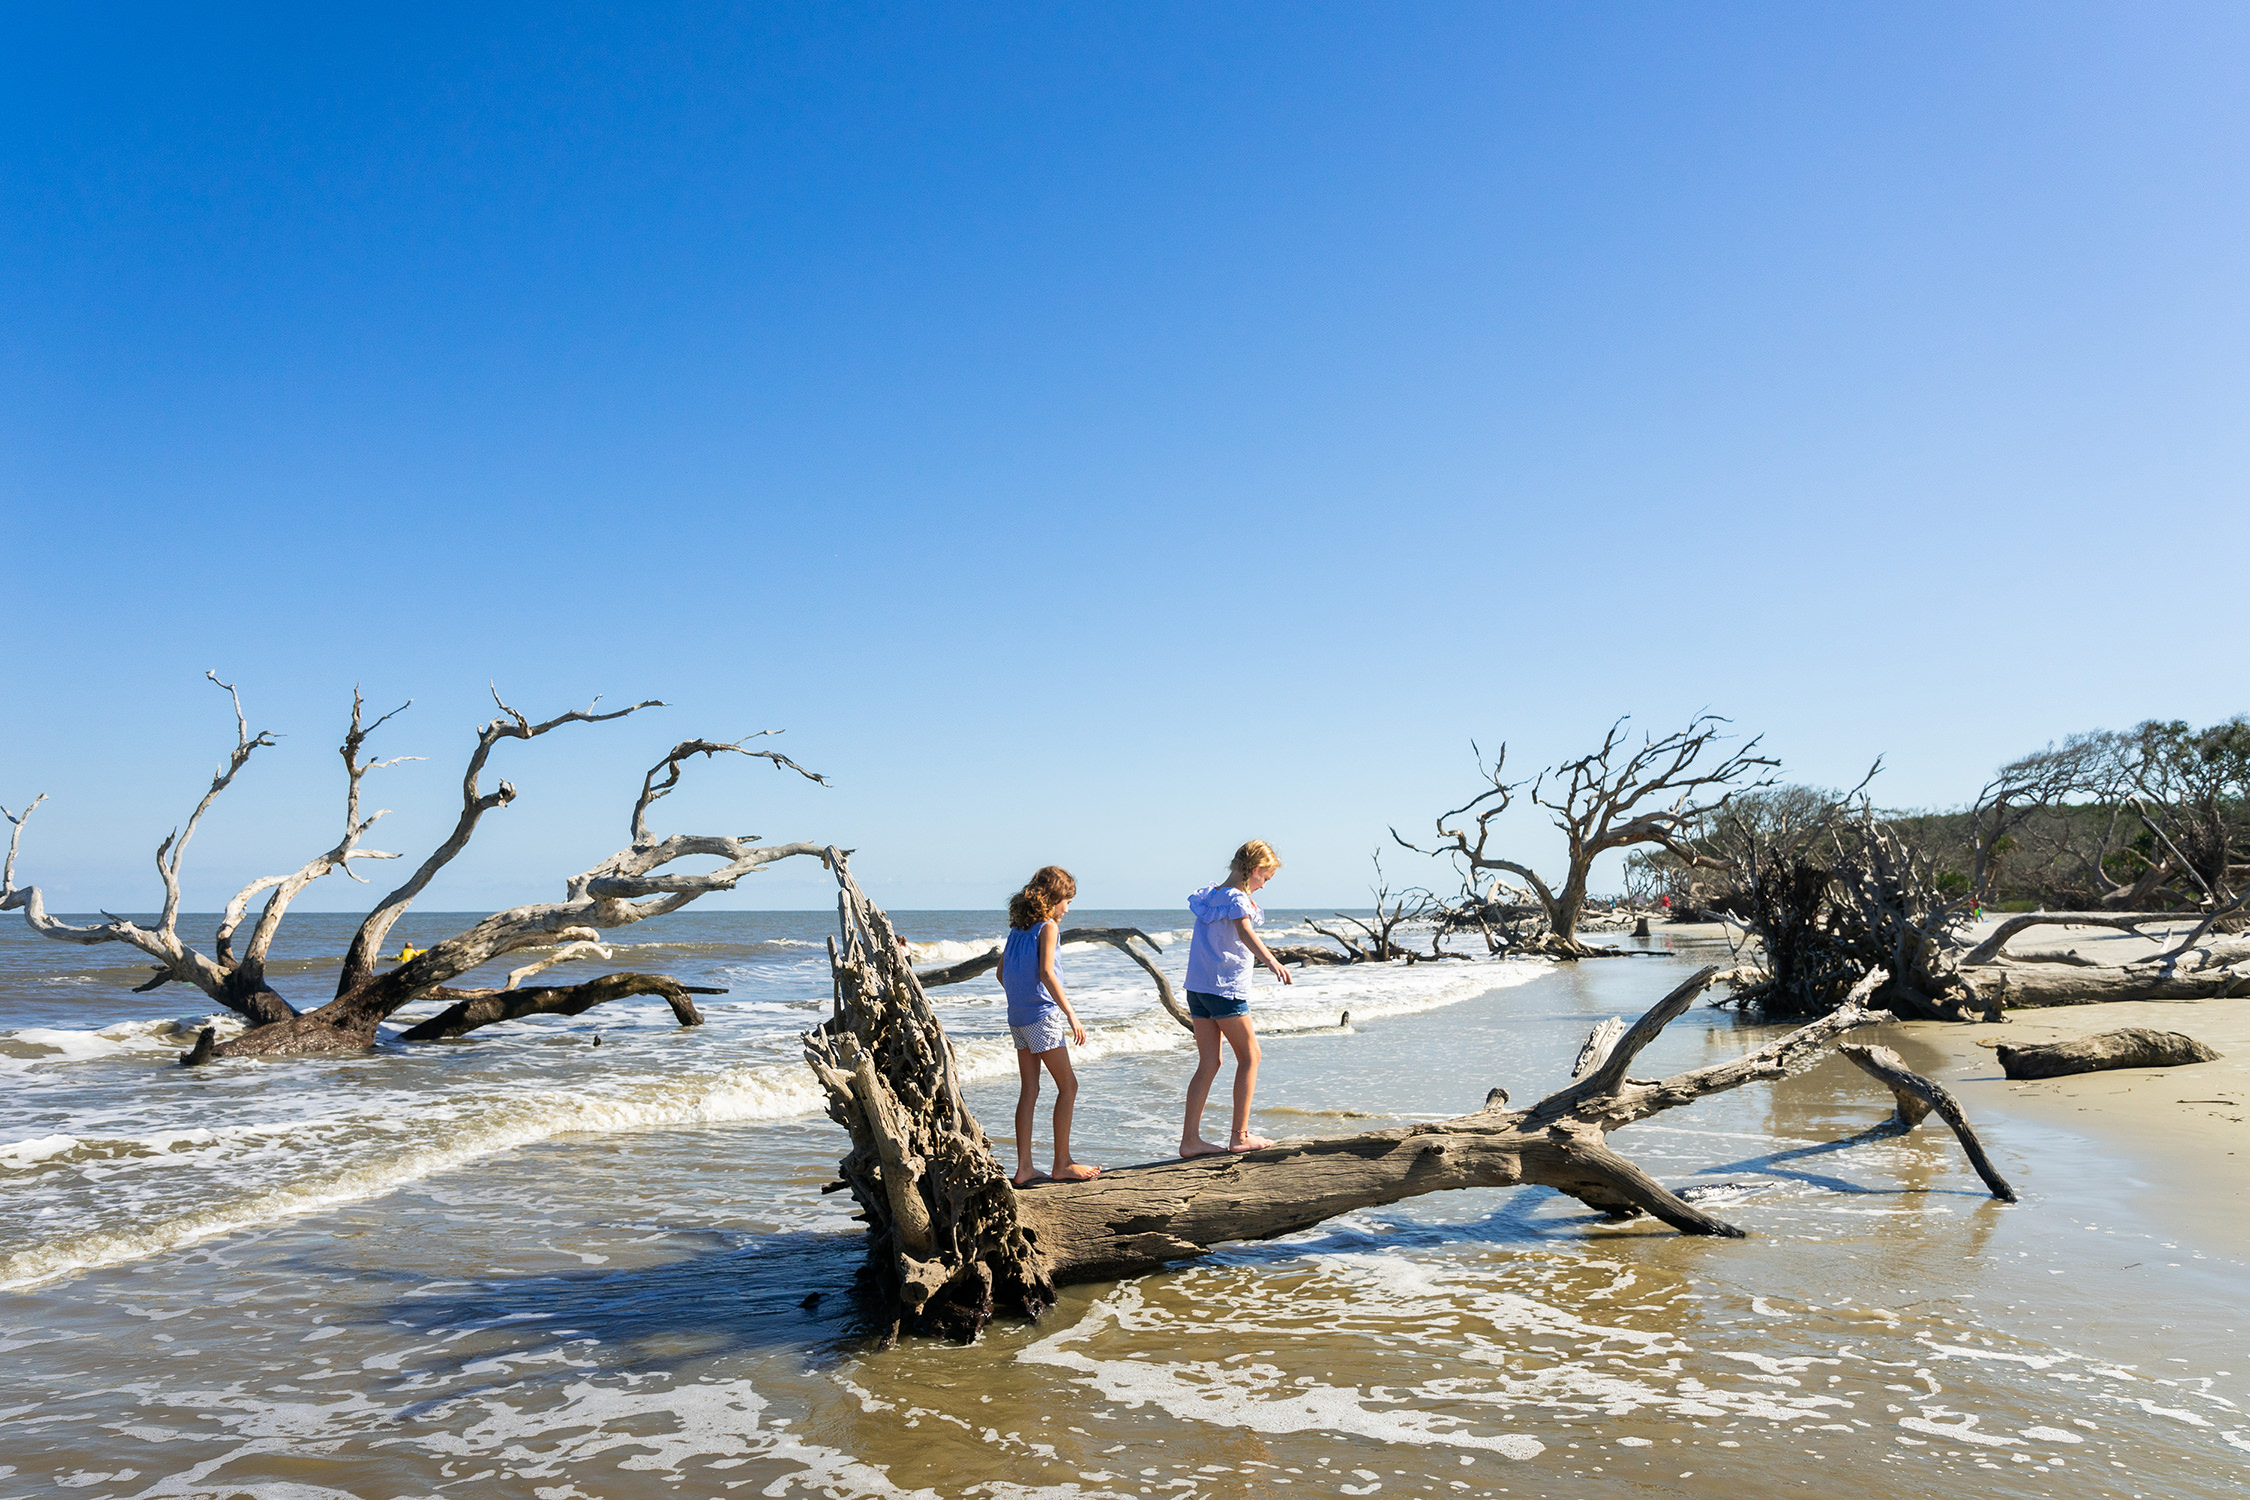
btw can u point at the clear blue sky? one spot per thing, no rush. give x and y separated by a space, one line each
1098 433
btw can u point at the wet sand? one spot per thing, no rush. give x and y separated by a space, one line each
2184 1132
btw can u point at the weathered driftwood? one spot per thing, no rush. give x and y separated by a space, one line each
1916 1097
2126 1047
945 1244
630 886
953 1242
1992 948
486 1007
1120 938
2028 986
1307 953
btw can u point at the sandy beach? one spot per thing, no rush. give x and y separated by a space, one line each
2184 1131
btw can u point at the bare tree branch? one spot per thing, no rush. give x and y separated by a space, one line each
367 943
652 790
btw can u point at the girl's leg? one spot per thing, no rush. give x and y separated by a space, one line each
1027 1110
1192 1142
1066 1095
1243 1038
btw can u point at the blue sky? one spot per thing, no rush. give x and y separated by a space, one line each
1098 434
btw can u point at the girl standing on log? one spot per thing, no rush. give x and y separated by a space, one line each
1040 1017
1220 959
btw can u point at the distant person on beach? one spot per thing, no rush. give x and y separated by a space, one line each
1224 951
1040 1017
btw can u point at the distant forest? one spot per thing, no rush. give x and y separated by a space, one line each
2152 818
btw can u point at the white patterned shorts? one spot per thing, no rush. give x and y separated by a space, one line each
1045 1034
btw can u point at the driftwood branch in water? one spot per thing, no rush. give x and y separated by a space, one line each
1917 1096
1120 938
953 1242
485 1007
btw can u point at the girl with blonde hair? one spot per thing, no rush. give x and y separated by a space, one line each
1040 1017
1220 959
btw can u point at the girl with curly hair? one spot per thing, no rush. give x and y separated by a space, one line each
1040 1017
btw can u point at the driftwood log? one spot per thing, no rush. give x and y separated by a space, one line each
2127 1047
1120 938
1995 945
951 1242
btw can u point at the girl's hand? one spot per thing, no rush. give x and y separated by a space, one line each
1283 974
1077 1031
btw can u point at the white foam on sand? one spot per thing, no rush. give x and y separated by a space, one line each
705 1432
1435 1342
1252 1396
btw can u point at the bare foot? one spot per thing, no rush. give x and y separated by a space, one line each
1077 1171
1201 1147
1020 1180
1249 1143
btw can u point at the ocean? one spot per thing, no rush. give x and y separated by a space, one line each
525 1264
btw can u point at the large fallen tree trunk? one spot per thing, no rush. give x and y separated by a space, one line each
951 1241
1993 947
2031 986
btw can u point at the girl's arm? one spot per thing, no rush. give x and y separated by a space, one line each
1050 939
1250 936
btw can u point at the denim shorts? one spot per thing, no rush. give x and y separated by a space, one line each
1217 1007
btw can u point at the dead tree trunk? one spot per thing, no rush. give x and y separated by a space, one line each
952 1241
474 1008
2032 986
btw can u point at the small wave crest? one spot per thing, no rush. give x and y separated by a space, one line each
58 1044
388 1159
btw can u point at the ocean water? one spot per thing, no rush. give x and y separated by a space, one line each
524 1264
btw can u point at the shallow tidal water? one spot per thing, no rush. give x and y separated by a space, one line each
526 1265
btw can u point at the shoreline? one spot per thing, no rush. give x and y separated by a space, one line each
2182 1134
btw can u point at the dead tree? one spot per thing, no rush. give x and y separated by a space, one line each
1616 798
951 1242
1378 942
630 886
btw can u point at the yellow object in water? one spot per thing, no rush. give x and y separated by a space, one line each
406 952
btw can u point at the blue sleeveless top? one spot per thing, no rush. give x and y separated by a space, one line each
1028 1000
